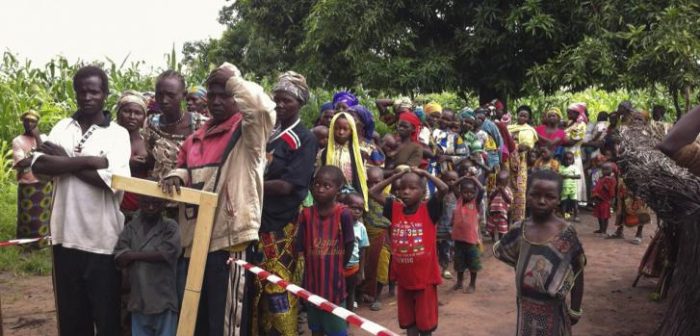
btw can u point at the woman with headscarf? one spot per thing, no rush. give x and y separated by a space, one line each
196 100
131 113
344 100
291 153
343 151
326 114
575 133
33 194
409 151
525 137
551 136
364 121
494 141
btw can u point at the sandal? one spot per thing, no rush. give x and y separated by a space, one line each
614 236
637 241
375 306
447 275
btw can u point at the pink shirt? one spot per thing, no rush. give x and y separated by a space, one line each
558 134
465 222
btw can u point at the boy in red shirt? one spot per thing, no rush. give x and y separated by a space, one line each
413 246
603 193
465 232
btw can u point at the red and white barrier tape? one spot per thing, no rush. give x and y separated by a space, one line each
350 317
22 241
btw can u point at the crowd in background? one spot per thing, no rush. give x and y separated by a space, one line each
337 208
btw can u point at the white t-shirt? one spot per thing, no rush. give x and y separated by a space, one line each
86 217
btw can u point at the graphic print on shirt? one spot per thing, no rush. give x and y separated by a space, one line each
409 241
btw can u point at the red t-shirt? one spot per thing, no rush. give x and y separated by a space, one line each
414 263
465 222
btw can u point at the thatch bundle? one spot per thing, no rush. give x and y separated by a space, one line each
674 194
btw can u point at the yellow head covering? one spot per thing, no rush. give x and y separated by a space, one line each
31 114
359 168
555 110
432 107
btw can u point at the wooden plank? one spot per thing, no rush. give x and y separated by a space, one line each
198 260
150 188
207 202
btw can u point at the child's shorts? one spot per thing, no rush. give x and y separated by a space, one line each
467 256
569 194
327 323
418 308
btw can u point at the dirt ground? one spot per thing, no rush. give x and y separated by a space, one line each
611 306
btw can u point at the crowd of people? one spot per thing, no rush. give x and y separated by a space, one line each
338 208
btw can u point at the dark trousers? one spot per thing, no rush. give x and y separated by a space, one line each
87 292
212 301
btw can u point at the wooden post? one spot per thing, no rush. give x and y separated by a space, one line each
200 247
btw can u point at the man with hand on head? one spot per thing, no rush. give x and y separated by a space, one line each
225 156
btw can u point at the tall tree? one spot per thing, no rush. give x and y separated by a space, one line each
631 44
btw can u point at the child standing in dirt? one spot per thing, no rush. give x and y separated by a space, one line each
326 238
444 225
548 259
499 206
570 174
465 232
148 248
414 265
355 268
603 194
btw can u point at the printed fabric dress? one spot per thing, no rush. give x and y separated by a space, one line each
544 276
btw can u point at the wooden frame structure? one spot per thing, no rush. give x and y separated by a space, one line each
207 202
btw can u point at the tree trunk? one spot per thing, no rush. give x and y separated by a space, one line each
686 95
487 94
676 104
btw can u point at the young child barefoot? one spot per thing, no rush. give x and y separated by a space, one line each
444 225
413 244
499 206
548 259
465 233
569 200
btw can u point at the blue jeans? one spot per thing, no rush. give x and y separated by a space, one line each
163 324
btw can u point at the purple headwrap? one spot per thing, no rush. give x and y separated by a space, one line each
326 106
345 97
367 119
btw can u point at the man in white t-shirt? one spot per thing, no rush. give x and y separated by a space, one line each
81 154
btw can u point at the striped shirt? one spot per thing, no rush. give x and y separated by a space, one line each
323 240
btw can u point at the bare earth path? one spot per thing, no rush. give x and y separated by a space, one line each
611 306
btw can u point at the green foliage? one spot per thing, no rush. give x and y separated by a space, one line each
487 48
15 259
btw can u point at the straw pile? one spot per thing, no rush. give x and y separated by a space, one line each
674 194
